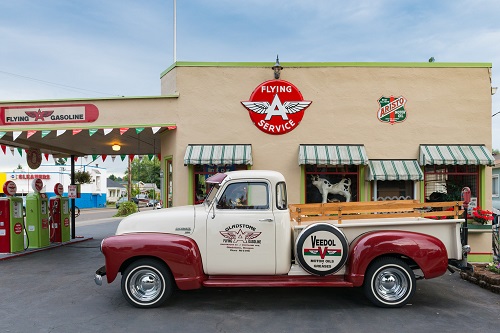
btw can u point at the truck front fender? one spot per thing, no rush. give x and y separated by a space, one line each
428 252
180 253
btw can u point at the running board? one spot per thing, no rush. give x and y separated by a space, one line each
229 281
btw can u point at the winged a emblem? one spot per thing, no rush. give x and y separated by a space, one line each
240 236
276 108
39 114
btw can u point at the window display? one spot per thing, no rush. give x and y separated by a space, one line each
331 183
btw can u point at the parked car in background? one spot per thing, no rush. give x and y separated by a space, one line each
152 203
120 201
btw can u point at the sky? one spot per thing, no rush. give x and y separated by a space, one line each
55 49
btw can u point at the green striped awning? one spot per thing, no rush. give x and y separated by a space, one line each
218 154
455 155
332 154
394 170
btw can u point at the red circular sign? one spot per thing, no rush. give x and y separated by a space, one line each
37 185
58 189
9 188
18 228
276 107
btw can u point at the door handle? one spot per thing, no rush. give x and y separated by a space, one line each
266 220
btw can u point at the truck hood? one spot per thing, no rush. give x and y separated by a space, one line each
176 220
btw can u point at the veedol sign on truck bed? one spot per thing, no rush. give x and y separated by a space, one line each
246 235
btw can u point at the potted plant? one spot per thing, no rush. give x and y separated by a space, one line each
481 216
81 177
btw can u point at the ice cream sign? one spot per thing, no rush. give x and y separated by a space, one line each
276 107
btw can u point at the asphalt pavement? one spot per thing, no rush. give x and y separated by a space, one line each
53 291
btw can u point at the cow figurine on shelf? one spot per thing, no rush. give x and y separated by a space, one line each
325 187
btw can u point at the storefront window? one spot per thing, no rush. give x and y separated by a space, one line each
394 190
331 183
445 182
494 186
202 172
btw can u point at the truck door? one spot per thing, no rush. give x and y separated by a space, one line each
241 231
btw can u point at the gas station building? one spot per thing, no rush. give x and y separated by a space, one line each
381 131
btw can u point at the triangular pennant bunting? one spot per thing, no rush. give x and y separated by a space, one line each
20 151
16 134
122 157
107 130
76 158
12 150
92 131
171 127
30 133
45 133
113 158
159 157
46 157
139 130
4 148
104 157
60 132
76 131
94 157
151 156
155 129
131 157
2 134
123 130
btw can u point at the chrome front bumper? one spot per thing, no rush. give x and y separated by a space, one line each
99 274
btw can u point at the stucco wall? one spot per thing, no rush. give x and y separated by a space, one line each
445 106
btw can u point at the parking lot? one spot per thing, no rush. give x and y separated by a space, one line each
53 291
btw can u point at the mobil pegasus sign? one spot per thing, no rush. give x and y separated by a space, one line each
276 107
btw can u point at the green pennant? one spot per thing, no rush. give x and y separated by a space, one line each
92 131
151 156
2 134
20 150
139 130
94 157
123 157
45 133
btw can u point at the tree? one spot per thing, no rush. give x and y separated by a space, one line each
145 170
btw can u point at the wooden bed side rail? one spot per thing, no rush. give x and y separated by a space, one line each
374 209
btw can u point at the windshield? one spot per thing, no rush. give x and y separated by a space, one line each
211 195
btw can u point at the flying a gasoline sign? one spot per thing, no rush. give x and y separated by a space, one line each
276 107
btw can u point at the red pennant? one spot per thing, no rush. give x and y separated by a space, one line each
4 148
104 157
131 157
159 157
171 127
76 158
123 130
30 133
46 156
76 131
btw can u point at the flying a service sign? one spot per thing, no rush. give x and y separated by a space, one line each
276 107
48 114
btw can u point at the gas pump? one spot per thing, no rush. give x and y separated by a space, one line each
37 216
11 220
59 216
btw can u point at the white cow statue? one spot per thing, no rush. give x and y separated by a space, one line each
325 187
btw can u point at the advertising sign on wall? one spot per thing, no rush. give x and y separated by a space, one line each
276 107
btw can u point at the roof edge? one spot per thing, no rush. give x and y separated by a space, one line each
89 99
330 64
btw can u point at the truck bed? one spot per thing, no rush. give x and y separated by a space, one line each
356 218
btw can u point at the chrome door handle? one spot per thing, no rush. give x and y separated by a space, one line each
266 220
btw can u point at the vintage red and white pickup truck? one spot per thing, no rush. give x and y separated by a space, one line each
245 234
